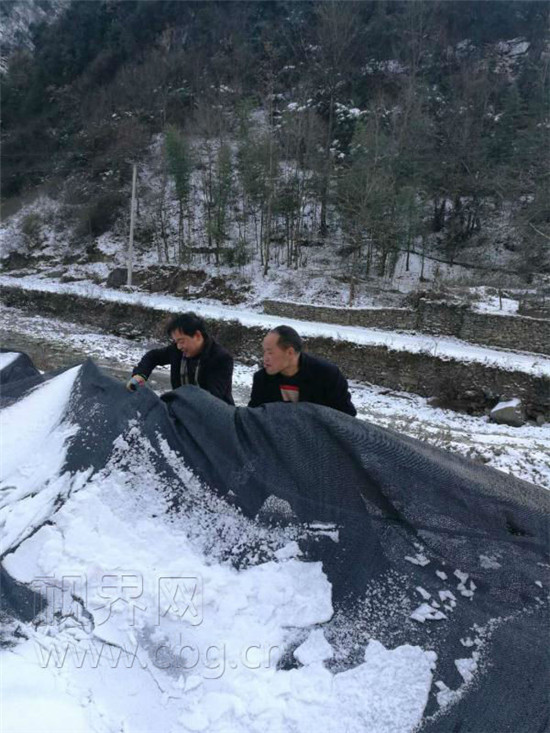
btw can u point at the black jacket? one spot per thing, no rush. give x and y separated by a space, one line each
215 368
321 382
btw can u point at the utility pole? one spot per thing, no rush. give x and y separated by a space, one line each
132 220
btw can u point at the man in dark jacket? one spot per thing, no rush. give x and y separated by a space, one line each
194 358
292 376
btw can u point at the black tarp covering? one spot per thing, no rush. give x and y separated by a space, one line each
392 498
17 377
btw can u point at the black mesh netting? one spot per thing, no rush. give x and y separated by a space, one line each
409 516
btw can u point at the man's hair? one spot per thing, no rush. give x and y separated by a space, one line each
288 337
187 323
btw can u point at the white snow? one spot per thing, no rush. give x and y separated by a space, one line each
513 47
288 551
446 595
463 577
418 559
48 708
489 562
461 587
445 696
498 306
399 679
314 649
508 403
467 667
7 359
33 442
425 612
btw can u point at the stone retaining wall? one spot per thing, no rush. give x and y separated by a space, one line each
470 386
518 333
396 319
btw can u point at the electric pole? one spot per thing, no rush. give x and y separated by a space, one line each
132 221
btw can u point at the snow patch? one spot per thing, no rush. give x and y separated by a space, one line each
314 649
418 559
33 444
7 359
489 562
425 612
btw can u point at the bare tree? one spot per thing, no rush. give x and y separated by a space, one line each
338 32
180 165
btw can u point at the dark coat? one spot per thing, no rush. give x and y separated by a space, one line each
215 368
321 382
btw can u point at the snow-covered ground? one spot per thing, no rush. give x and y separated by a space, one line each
145 630
442 347
524 452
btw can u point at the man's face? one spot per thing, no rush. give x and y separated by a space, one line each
276 359
190 346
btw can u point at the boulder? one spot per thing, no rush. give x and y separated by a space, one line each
509 413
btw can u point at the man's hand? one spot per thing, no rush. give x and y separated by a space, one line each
135 382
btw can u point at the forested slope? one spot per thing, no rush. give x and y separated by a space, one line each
265 129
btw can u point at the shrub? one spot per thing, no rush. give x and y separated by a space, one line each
100 216
31 228
238 255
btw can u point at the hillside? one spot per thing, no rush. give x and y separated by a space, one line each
344 153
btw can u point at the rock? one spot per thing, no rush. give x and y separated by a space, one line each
537 306
170 279
16 261
540 419
128 331
117 278
509 413
490 395
94 254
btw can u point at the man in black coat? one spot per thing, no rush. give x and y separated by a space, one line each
194 358
292 376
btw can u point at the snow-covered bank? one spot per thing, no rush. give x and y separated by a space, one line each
442 347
